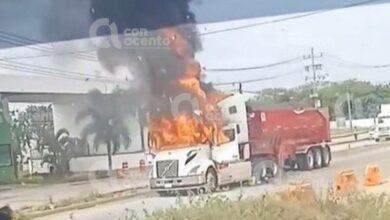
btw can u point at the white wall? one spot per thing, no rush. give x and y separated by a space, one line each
363 123
64 115
94 163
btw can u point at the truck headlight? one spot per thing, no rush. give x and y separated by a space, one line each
194 170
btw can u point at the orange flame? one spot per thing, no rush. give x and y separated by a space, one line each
183 131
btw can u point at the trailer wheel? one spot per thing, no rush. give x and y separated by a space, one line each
317 157
326 156
211 180
306 161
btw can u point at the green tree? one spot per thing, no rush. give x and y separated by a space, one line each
366 97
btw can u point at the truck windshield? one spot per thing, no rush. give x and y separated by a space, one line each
5 155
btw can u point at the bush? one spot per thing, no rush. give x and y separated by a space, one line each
360 206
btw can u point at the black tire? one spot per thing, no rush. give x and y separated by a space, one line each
317 157
326 156
306 161
211 180
377 139
264 168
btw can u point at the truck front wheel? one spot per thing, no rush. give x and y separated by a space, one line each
306 161
211 180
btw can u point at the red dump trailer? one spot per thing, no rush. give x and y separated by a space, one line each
296 138
256 144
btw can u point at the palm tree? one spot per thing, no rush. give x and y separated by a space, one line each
107 120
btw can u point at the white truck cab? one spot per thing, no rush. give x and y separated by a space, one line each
202 167
207 166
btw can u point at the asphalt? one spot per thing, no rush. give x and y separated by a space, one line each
355 159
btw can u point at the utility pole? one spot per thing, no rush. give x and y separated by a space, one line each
314 68
349 108
240 88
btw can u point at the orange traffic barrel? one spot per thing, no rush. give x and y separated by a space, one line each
372 175
345 183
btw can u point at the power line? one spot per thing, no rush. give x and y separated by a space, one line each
52 72
252 67
286 19
28 41
51 69
353 64
253 80
22 41
45 50
246 91
39 72
46 55
257 24
21 37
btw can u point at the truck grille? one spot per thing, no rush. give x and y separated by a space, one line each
167 168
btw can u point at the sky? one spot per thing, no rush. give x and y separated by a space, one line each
344 36
47 20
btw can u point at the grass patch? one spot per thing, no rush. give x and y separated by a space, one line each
360 206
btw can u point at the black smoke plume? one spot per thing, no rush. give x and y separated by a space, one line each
154 69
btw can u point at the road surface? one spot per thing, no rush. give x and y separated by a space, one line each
355 159
18 196
30 195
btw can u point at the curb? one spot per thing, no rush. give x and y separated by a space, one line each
349 142
349 134
357 146
113 197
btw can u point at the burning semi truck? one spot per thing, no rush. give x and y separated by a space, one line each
252 144
218 140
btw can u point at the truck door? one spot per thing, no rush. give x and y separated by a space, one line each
227 150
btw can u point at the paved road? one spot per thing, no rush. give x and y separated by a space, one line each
18 196
355 159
